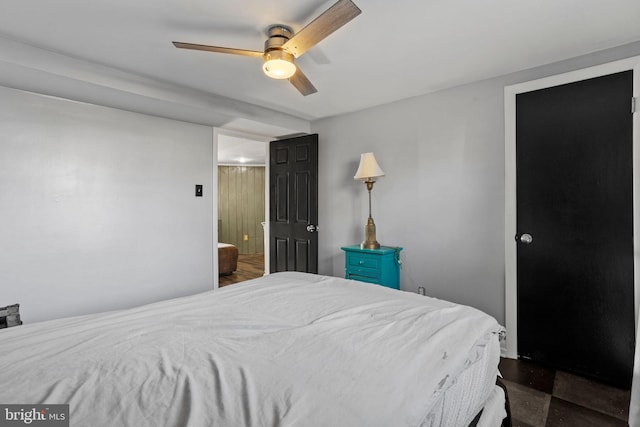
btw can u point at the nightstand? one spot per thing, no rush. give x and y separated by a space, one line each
380 266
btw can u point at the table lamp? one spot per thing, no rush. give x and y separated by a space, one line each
367 171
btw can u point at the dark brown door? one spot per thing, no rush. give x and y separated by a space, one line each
293 182
575 227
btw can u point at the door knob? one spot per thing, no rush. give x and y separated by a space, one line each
525 238
312 228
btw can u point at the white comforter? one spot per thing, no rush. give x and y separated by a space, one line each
288 349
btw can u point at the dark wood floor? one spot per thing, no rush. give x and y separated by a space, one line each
544 397
249 267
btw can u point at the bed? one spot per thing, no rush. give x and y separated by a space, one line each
227 258
287 349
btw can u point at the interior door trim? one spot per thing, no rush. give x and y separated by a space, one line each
509 346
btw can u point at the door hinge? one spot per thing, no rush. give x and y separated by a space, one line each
634 104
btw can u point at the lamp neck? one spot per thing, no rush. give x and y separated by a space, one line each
369 183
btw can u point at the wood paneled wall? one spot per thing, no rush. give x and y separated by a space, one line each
241 207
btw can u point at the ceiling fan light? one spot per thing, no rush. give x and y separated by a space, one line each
278 64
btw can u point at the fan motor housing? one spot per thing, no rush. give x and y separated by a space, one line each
278 35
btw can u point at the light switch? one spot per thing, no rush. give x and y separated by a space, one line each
198 190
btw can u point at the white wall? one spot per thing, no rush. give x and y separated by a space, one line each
97 207
442 198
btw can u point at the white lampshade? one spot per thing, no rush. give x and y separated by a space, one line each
368 168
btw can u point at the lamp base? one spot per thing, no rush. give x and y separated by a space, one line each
370 236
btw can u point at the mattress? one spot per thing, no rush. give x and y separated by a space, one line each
286 349
471 390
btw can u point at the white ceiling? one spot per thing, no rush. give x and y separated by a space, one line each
393 50
234 150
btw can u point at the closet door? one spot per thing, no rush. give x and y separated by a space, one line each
575 227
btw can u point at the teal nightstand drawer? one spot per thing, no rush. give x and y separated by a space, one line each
365 272
358 261
380 266
375 280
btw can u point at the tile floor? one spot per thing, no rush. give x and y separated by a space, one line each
543 397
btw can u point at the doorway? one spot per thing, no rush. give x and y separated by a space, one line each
242 203
510 348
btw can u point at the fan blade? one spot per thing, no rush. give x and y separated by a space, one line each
208 48
302 83
329 21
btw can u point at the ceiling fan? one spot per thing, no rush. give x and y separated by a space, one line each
282 46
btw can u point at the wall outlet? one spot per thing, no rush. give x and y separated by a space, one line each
245 237
421 290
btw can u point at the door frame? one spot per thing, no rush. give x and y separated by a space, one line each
216 134
510 345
